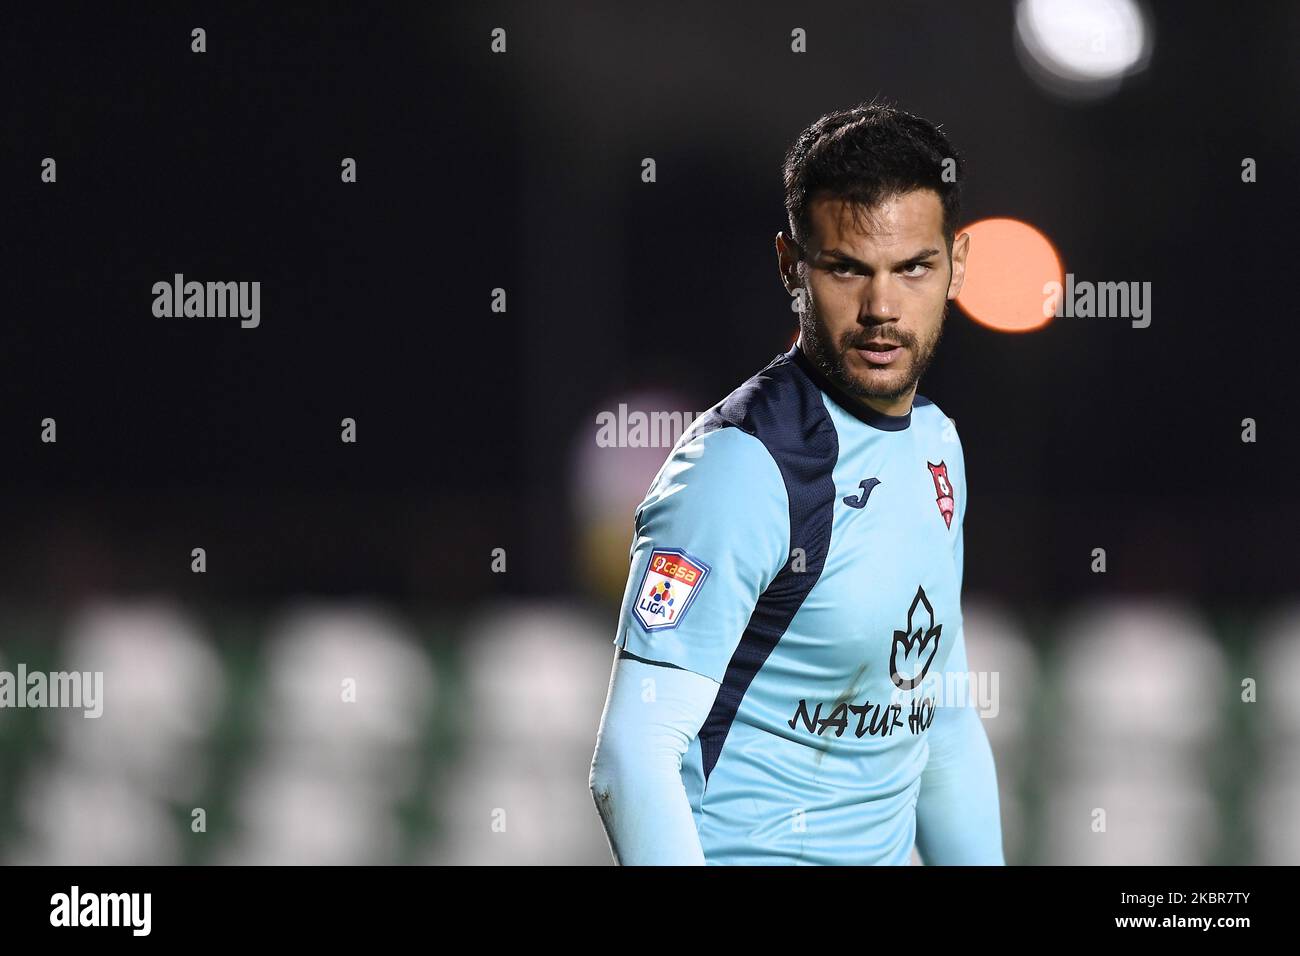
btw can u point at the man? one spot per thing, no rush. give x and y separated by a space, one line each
794 597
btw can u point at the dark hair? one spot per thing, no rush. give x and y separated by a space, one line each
866 155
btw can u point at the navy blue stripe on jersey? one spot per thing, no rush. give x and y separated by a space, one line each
782 407
623 652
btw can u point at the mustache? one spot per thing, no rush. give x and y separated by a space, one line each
859 340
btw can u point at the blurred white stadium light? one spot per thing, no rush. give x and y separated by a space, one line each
1143 675
1145 822
1278 660
1082 49
163 691
72 816
100 795
312 651
330 772
536 676
303 816
1141 716
1275 812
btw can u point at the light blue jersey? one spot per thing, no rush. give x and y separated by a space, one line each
805 552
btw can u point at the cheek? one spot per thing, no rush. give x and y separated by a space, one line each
925 310
833 302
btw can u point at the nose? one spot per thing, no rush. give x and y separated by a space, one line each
880 303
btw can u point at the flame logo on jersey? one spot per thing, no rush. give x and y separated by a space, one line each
943 491
919 642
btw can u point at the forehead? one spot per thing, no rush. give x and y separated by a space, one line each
896 223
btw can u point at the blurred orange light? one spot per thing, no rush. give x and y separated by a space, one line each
1009 265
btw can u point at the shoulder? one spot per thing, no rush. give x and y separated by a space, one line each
927 408
928 416
783 409
718 452
719 492
737 454
773 402
715 468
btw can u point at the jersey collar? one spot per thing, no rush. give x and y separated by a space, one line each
860 411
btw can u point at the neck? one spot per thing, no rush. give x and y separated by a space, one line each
897 406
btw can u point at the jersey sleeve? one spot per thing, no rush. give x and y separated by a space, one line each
711 534
635 775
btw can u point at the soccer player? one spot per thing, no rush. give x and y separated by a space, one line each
795 589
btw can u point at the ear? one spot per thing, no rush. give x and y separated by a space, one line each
960 248
787 263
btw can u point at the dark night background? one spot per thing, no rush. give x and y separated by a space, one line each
522 171
476 430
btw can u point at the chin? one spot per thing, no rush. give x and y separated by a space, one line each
888 385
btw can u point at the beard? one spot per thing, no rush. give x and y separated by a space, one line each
886 384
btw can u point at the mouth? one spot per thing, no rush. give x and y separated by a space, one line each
878 352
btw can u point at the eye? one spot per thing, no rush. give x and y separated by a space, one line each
842 270
916 270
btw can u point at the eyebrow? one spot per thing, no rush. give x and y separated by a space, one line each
910 260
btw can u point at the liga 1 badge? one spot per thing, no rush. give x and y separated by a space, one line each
669 585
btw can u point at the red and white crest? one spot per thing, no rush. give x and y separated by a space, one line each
943 491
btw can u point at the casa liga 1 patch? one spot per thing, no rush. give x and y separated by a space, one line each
672 579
